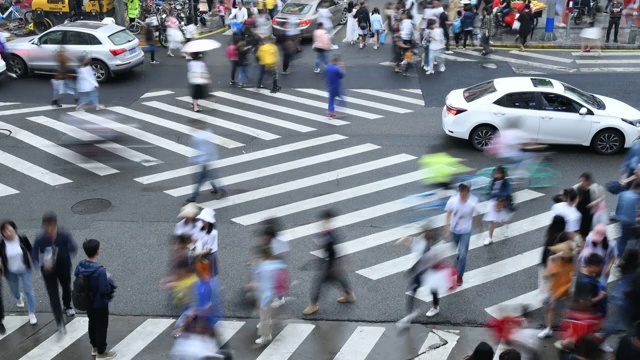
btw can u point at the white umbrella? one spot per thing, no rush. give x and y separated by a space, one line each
200 45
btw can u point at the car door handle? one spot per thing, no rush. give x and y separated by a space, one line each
547 117
501 114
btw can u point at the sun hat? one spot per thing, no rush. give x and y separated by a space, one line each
598 233
188 211
564 249
207 215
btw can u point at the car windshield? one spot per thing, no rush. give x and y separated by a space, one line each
480 90
121 37
583 96
296 9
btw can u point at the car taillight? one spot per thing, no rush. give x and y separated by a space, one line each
306 22
454 111
274 21
116 52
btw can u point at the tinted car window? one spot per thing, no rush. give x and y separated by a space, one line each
51 38
121 37
523 100
76 38
555 102
296 9
478 91
94 40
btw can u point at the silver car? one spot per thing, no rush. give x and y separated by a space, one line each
112 49
306 12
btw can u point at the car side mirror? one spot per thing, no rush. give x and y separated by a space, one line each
583 111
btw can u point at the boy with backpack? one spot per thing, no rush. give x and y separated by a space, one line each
272 277
92 291
456 28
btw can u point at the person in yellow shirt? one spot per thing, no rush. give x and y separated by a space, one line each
272 7
269 59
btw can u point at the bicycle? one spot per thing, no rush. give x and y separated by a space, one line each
17 20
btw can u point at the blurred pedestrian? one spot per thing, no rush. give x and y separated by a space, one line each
99 288
510 354
288 54
279 250
63 81
461 208
269 272
150 38
133 10
597 242
629 346
202 140
586 348
332 269
436 48
174 34
199 79
526 20
293 31
559 272
500 207
376 27
321 45
269 58
207 240
244 50
352 26
614 20
188 225
626 214
483 351
364 23
334 73
4 55
15 258
222 10
591 36
232 55
567 209
52 251
591 198
487 28
87 86
326 19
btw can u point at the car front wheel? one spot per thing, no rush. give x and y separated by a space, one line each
344 18
608 142
17 66
482 136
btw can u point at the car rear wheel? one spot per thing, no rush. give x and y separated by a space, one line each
100 70
344 18
608 142
482 136
17 66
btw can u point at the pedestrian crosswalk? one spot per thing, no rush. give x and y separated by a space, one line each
532 62
151 338
160 124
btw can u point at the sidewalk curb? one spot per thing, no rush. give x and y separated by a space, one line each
567 46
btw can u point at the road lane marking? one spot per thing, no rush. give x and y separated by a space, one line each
31 109
405 262
156 93
136 133
318 104
518 61
433 348
611 69
278 108
278 168
392 96
330 198
308 181
251 115
82 135
541 56
56 343
13 323
360 343
139 338
612 61
213 121
286 343
261 154
59 151
351 100
32 170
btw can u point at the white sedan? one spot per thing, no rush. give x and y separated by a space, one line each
549 112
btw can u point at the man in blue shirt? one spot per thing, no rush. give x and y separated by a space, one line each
334 73
626 213
202 140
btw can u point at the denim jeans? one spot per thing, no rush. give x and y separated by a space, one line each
243 74
321 58
624 238
462 241
27 285
89 97
206 173
333 94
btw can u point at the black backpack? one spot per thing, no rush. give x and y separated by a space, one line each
81 293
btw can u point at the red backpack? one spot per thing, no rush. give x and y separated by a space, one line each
281 283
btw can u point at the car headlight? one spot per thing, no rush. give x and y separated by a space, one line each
635 123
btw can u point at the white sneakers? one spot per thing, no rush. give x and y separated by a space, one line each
20 303
606 348
316 70
277 303
406 321
488 241
547 332
71 312
433 311
263 340
32 319
334 47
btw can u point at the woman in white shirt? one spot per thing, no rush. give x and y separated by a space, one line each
188 225
87 86
15 251
198 77
207 239
352 25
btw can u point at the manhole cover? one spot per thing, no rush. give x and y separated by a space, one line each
91 206
489 66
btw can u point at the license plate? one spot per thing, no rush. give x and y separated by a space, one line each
133 51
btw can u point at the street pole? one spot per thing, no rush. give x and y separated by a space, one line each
566 37
119 12
548 34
